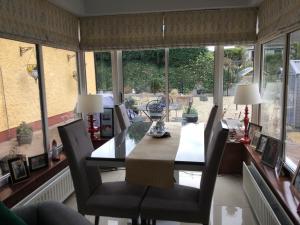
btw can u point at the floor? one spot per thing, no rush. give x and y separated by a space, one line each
230 205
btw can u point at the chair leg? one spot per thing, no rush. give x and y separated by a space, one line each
96 220
153 222
134 222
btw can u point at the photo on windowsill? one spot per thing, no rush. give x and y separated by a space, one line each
271 152
18 170
255 139
262 142
295 185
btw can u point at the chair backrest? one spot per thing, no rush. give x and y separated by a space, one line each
122 115
209 175
77 146
209 127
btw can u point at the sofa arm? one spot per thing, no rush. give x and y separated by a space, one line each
51 213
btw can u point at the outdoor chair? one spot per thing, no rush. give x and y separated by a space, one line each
112 199
188 204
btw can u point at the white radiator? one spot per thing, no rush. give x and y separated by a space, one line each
58 188
260 203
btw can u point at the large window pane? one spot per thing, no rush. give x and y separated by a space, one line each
19 101
61 88
292 141
191 83
272 87
103 72
144 80
238 68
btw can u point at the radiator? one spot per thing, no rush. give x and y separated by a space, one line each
58 188
264 204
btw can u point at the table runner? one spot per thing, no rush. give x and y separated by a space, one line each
152 160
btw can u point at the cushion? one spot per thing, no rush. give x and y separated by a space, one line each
179 203
8 217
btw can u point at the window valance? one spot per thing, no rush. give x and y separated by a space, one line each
186 28
278 17
38 21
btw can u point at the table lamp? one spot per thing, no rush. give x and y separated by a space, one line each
247 94
90 104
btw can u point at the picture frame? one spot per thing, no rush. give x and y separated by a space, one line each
18 170
261 145
271 152
252 128
38 162
255 139
107 123
295 184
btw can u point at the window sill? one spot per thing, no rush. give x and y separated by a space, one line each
12 194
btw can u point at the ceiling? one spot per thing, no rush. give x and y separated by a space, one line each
112 7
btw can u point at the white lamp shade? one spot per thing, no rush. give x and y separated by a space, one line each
247 94
90 104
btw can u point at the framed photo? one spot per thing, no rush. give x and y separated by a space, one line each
252 129
107 123
295 185
271 152
255 139
262 143
38 162
18 170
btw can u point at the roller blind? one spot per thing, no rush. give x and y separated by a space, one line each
38 21
278 17
187 28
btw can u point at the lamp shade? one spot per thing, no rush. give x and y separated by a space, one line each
90 104
247 94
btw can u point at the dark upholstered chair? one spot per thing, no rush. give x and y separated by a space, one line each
122 116
50 213
113 199
209 127
187 204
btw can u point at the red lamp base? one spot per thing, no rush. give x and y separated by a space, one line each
245 140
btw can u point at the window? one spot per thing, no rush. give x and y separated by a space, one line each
90 72
191 83
292 128
61 88
272 87
103 72
144 80
19 101
238 68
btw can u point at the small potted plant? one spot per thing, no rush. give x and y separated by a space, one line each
190 114
24 134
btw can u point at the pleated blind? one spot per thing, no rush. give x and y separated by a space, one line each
38 21
278 17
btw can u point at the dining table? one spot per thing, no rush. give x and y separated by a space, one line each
189 156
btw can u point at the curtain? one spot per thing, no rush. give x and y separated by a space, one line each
38 21
186 28
278 17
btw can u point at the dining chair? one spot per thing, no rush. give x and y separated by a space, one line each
209 127
122 116
188 204
113 199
